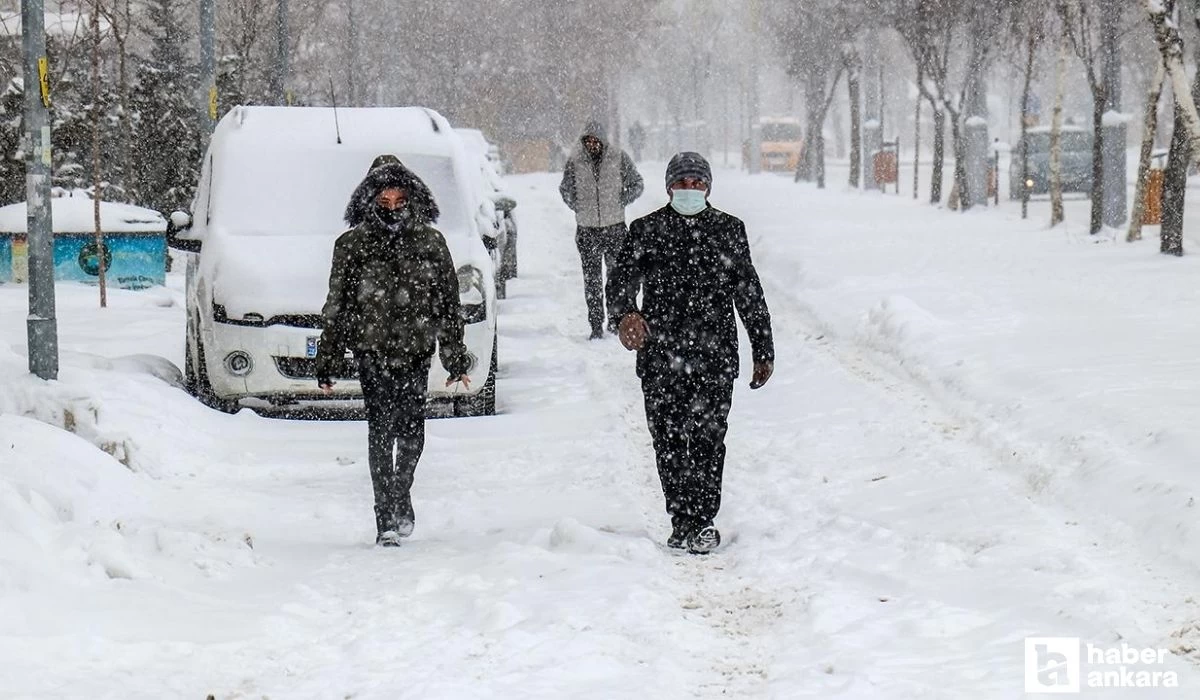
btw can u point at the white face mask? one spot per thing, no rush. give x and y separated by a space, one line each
689 202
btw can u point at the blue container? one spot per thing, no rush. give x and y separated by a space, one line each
6 258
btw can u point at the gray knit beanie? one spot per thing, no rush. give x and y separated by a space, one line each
688 164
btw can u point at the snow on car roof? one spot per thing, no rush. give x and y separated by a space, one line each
413 130
474 140
76 215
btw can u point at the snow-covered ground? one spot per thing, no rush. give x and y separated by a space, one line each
978 431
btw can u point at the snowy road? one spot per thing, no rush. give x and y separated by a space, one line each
951 457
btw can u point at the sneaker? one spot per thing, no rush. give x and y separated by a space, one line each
597 334
388 538
679 535
704 540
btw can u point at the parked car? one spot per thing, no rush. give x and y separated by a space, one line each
272 192
503 240
1076 162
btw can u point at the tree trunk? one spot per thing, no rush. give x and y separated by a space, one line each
814 98
97 185
917 139
961 185
1097 221
1057 211
854 87
1149 131
939 156
1175 185
1026 92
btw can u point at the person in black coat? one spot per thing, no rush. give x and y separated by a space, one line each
691 263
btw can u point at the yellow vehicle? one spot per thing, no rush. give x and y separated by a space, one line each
782 144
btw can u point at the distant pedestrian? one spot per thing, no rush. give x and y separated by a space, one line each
598 182
393 299
691 265
637 140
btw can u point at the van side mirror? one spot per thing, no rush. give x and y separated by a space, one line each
179 222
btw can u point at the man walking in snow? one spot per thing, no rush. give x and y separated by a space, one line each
598 182
393 299
691 263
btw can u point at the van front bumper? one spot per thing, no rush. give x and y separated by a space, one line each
277 363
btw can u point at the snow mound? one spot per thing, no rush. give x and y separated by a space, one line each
71 513
898 322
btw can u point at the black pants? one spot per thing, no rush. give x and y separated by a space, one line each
395 405
598 245
688 417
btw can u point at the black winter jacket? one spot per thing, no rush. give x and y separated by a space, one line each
692 272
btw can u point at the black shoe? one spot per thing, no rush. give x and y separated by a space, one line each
388 538
597 334
680 531
704 540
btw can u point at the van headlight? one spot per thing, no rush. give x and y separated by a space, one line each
471 299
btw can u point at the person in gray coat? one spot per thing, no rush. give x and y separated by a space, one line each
598 182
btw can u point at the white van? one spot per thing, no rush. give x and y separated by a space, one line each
270 204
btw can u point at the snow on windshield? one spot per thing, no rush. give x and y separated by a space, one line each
305 192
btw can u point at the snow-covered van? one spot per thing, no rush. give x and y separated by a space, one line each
260 236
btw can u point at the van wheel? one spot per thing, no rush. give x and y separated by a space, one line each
203 387
483 403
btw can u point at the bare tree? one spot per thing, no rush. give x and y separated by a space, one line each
1082 29
1057 211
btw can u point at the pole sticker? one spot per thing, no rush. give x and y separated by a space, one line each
44 80
212 102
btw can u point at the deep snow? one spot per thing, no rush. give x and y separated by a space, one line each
978 431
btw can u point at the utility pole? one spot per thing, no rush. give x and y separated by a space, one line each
1113 156
279 72
208 72
42 325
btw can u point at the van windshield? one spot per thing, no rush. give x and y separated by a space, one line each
304 193
782 132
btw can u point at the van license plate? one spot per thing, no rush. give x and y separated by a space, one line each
311 348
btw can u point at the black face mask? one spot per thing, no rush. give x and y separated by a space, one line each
393 220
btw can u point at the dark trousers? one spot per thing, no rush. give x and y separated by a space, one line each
395 403
688 417
598 245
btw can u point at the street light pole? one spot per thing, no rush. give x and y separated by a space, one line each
42 325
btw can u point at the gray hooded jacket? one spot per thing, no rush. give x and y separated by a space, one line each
599 190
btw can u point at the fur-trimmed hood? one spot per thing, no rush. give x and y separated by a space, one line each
386 172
